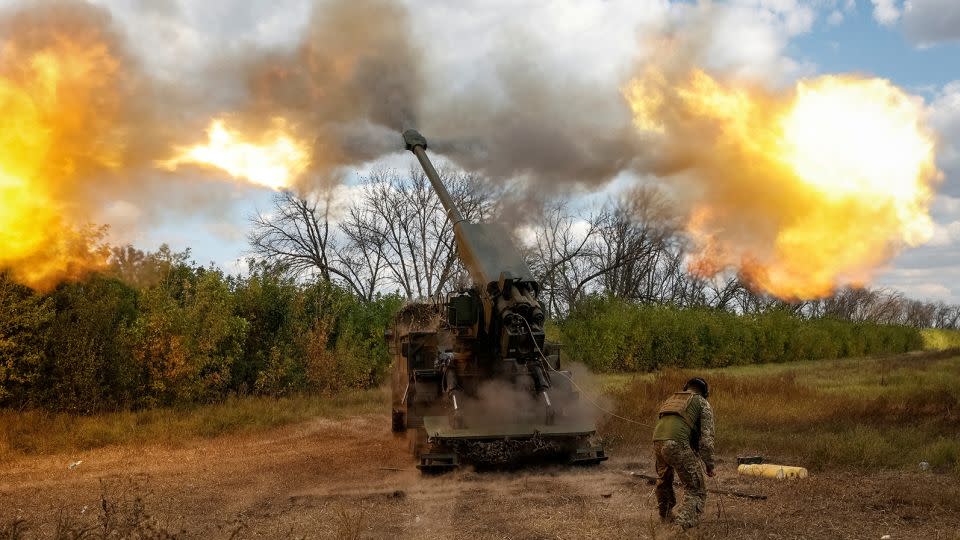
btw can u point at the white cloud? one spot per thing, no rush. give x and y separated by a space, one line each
465 43
227 230
177 38
122 210
945 235
886 12
933 283
946 205
341 198
945 119
124 218
927 22
926 291
235 266
924 22
931 271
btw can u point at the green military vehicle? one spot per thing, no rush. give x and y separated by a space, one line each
474 380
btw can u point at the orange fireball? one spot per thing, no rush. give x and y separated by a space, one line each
58 103
801 192
274 159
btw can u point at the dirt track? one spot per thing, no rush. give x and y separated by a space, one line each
325 479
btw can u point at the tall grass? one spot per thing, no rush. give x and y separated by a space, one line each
39 432
867 413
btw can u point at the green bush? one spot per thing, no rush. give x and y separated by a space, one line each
937 339
88 363
174 333
612 335
25 319
186 338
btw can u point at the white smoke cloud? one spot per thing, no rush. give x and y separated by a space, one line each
567 42
749 38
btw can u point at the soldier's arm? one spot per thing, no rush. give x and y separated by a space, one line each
707 434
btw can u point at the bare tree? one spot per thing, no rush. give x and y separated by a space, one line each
628 249
641 255
559 255
635 255
397 234
861 304
750 301
721 292
946 316
362 254
885 307
298 235
144 269
401 220
919 314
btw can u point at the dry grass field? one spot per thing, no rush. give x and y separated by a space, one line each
866 414
322 468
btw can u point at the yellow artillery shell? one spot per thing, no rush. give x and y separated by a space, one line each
768 470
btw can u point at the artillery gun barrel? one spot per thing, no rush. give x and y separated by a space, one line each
417 144
484 248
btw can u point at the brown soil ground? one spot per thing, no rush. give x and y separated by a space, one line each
327 479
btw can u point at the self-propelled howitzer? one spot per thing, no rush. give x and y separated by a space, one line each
474 379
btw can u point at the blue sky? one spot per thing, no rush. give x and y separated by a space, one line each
861 44
913 43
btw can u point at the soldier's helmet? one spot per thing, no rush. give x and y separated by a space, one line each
701 384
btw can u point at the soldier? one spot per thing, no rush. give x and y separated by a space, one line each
683 436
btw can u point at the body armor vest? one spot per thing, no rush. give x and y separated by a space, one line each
678 404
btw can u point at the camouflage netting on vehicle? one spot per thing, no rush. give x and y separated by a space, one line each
419 316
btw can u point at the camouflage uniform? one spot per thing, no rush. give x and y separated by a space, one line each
680 443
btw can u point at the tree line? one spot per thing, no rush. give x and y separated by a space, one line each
324 280
395 236
156 329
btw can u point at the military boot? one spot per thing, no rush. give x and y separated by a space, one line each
666 516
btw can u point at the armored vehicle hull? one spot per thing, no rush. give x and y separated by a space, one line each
494 417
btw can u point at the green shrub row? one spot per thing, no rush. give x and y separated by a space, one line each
170 332
191 335
938 339
612 335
